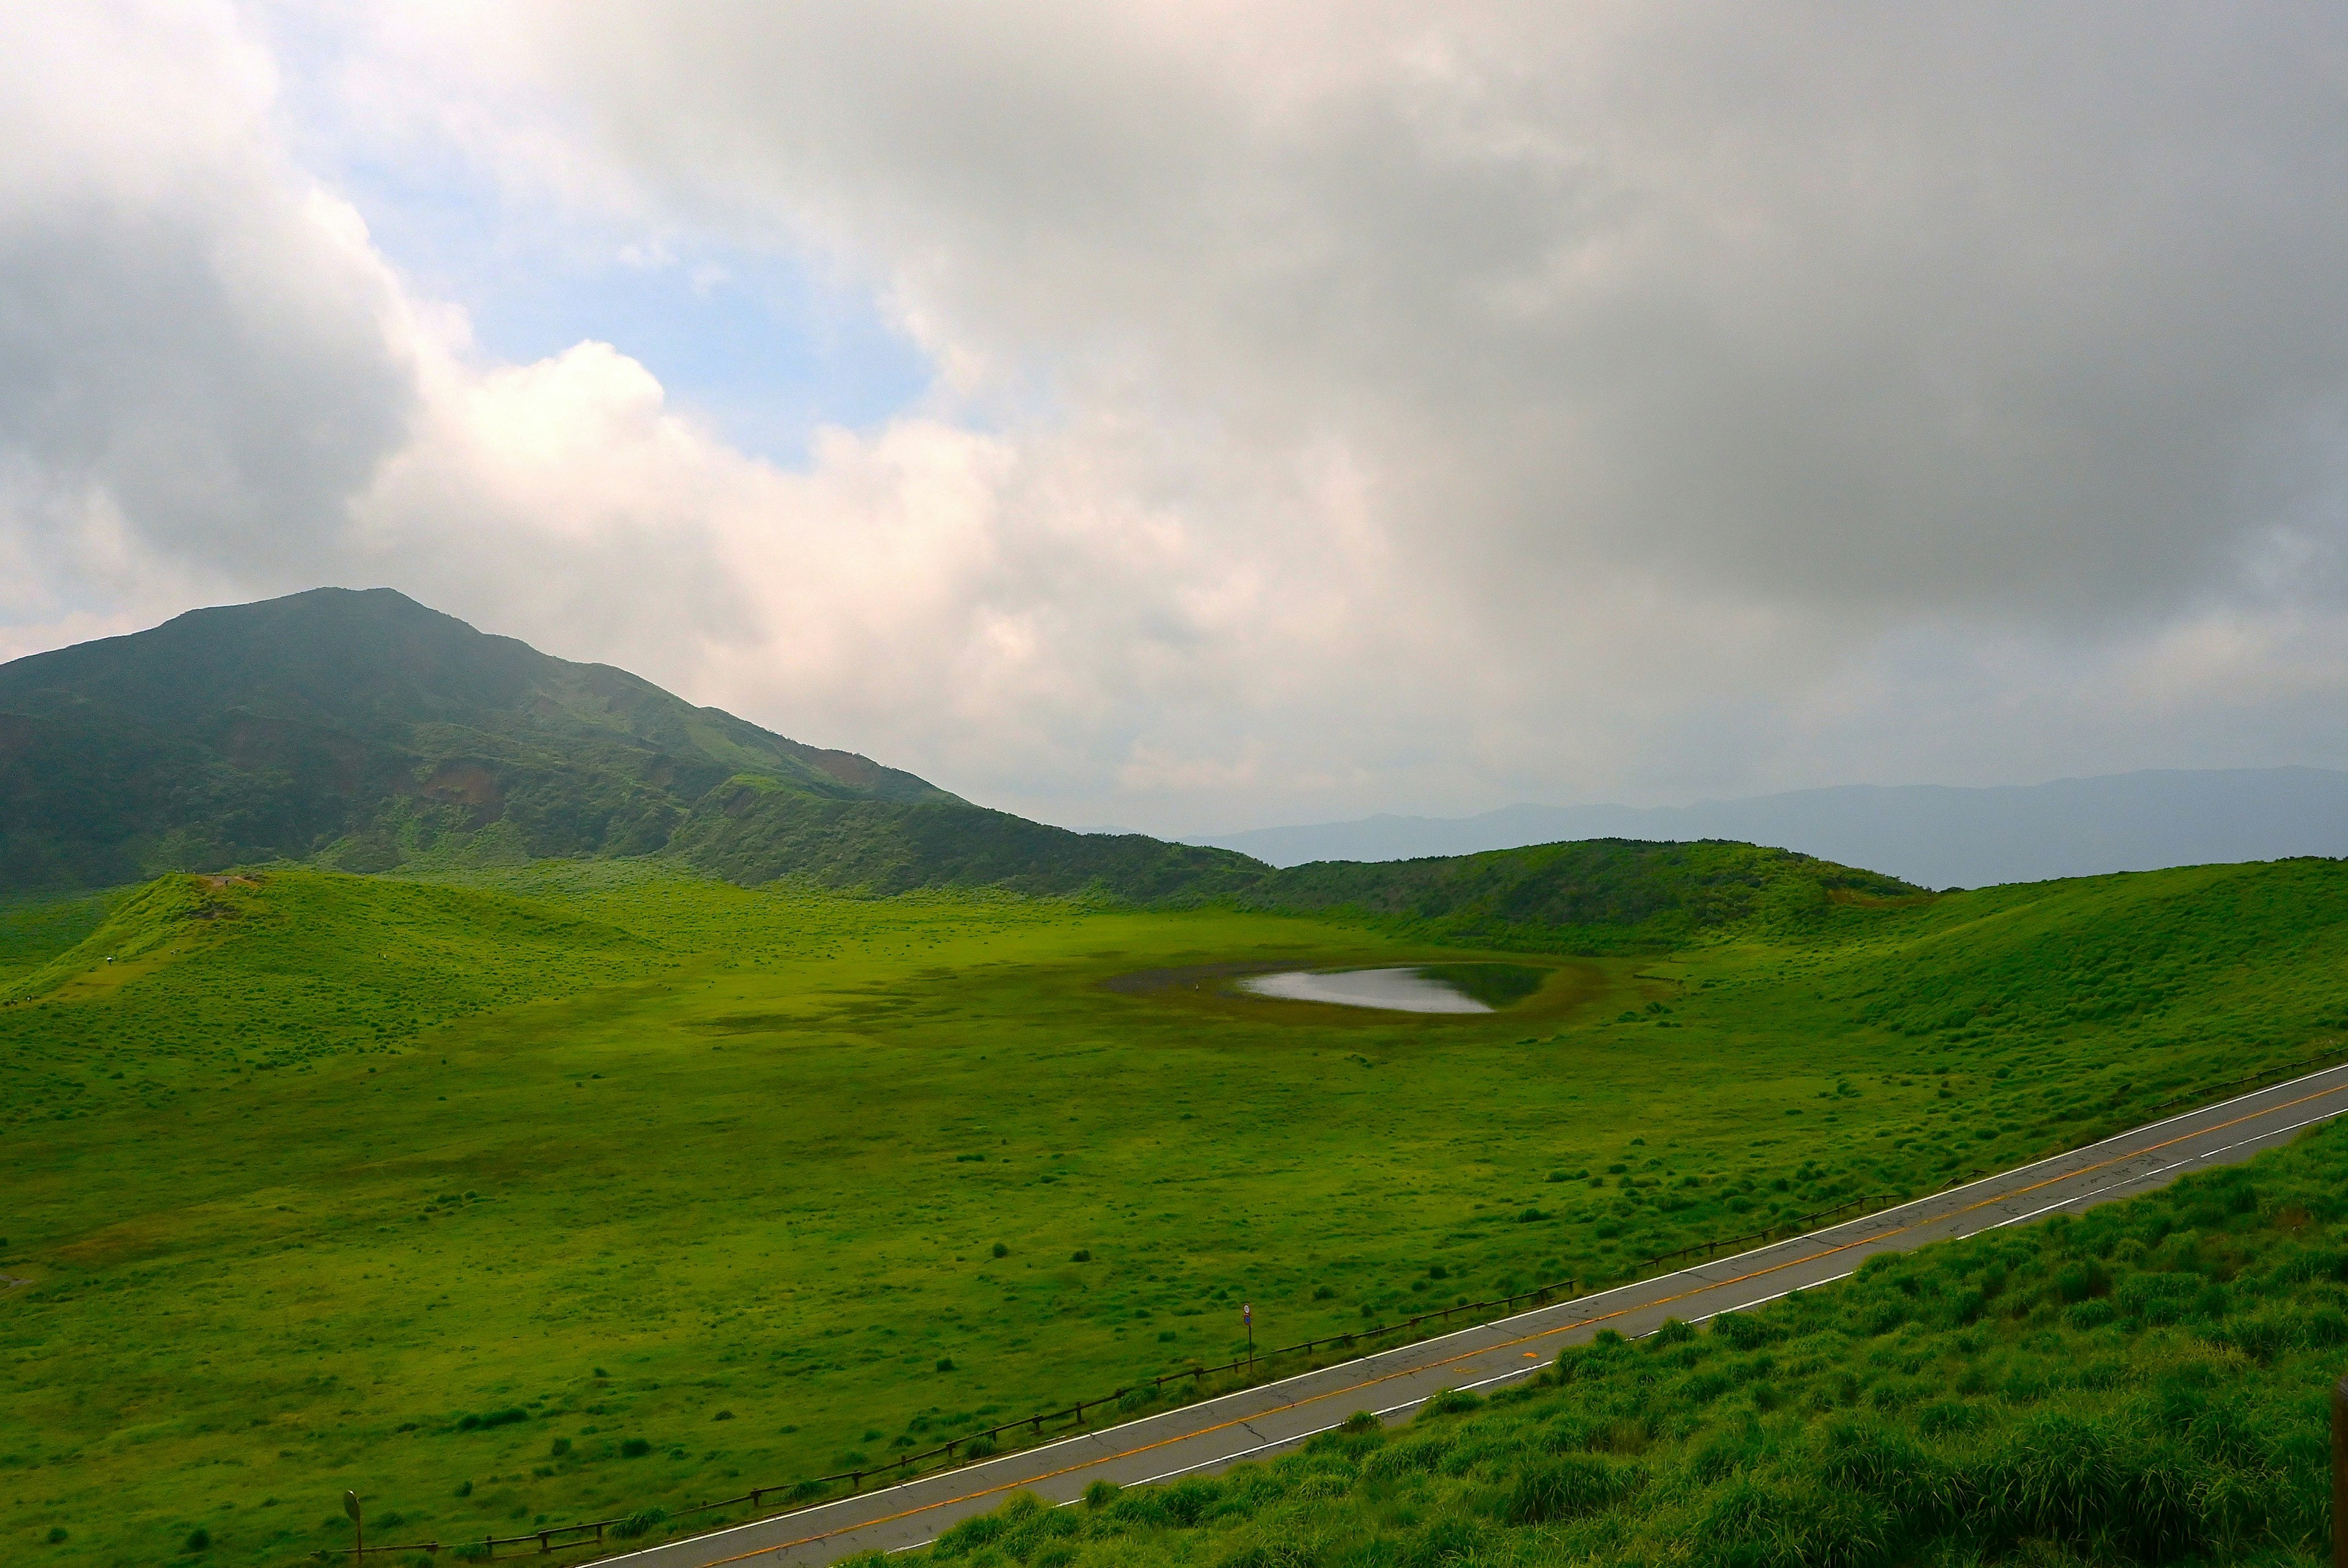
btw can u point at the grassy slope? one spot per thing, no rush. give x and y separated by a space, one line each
364 728
363 732
1601 896
360 1156
2146 1384
1595 896
751 832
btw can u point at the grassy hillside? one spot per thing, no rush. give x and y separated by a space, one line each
1601 896
753 832
320 1165
365 733
2147 1384
365 729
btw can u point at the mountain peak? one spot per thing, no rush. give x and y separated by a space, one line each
362 726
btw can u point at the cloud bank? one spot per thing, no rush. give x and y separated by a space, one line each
1337 408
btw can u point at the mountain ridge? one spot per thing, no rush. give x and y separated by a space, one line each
1938 836
359 731
362 726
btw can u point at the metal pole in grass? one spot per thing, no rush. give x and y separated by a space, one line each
2340 1474
358 1526
1246 1316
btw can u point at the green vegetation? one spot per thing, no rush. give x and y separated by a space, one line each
322 1178
364 730
365 733
1601 896
1496 986
753 832
2146 1384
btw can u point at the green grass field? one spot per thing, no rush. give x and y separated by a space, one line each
2147 1384
670 1186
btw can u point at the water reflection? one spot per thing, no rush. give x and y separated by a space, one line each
1396 990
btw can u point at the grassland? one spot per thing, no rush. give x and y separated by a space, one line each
708 1184
2147 1384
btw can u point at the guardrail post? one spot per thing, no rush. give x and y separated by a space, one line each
2340 1474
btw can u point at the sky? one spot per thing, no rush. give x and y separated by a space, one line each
1195 417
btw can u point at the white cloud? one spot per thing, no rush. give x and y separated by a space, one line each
1339 407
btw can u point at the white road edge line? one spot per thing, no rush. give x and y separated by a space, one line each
1480 1383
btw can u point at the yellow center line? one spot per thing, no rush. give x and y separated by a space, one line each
1520 1340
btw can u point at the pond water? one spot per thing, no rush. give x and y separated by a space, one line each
1396 990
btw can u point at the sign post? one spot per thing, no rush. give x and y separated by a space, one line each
1246 1316
351 1507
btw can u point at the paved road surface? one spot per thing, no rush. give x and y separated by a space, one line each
1264 1420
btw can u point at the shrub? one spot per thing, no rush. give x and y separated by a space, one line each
1001 1250
1362 1422
640 1523
979 1446
635 1448
504 1417
560 1447
1082 1255
199 1540
2081 1480
2092 1313
979 1530
1570 1487
1753 1523
1101 1493
56 1533
1743 1330
1445 1542
1946 1417
1412 1456
1451 1402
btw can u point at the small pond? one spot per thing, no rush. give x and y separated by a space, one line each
1425 988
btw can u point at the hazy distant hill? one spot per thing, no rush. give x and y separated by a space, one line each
1929 835
363 731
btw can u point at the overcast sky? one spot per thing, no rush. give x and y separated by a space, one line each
1194 417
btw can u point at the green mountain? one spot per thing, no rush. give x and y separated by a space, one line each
363 732
363 729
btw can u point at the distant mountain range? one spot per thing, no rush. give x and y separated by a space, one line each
362 732
1933 835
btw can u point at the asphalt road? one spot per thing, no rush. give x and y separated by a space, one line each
1264 1420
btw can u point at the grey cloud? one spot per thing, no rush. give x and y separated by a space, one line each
191 338
1344 407
2017 313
